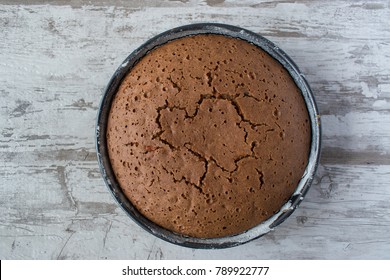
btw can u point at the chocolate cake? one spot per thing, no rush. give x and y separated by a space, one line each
208 135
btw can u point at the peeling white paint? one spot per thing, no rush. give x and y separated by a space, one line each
367 92
356 124
381 104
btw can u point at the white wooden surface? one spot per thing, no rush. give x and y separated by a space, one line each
55 61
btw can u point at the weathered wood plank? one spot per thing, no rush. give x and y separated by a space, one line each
343 215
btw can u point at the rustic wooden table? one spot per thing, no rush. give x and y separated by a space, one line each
55 61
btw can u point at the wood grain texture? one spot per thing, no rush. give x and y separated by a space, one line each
55 61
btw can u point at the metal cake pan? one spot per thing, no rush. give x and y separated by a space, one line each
235 32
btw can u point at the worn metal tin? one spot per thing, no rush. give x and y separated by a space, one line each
108 174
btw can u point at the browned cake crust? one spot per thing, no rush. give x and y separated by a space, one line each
208 136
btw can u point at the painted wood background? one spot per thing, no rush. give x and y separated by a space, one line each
56 58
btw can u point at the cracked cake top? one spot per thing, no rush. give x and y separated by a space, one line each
208 136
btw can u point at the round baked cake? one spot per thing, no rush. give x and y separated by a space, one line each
208 136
